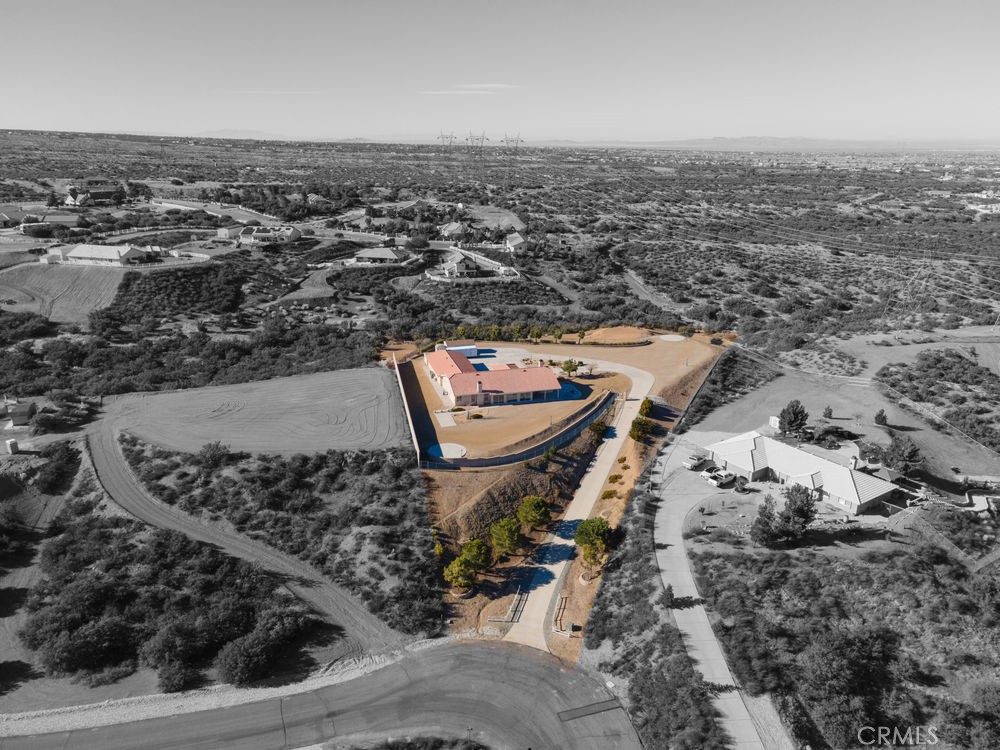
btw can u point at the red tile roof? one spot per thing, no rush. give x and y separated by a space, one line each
444 363
515 380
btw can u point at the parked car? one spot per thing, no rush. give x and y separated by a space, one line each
693 462
710 472
721 478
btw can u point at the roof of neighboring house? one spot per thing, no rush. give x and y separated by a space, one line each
104 252
752 451
387 253
451 227
514 238
446 364
460 342
509 380
13 213
21 409
58 218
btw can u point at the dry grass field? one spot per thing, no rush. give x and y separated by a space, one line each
342 410
64 294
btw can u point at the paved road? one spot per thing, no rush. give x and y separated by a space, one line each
681 491
507 697
553 556
364 631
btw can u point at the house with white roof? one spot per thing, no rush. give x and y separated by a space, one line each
755 457
255 236
100 255
378 256
515 243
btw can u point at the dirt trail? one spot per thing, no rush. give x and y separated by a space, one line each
363 630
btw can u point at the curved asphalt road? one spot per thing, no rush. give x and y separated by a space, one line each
364 631
510 697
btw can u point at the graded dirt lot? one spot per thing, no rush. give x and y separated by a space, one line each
616 335
345 409
62 293
671 363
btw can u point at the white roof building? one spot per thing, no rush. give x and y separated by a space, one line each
103 255
515 242
757 456
380 255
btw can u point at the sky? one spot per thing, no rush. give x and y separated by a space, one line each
618 70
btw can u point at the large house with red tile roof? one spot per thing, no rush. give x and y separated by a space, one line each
463 385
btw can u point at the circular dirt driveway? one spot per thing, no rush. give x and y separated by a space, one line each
446 450
342 410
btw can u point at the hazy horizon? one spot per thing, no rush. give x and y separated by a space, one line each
560 71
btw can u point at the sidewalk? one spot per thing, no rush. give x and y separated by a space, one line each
553 556
682 490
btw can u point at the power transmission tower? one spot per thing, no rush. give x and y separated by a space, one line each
447 140
510 148
477 154
912 293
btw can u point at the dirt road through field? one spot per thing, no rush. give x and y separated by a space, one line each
364 632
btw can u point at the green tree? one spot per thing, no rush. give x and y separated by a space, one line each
880 418
645 408
460 573
641 429
591 537
799 511
591 531
505 535
533 512
477 553
827 412
903 455
764 531
570 366
597 428
793 417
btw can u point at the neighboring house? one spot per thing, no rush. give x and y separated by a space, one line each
755 456
452 230
380 256
463 385
515 243
93 192
11 216
21 413
229 233
458 265
315 199
267 235
101 255
66 220
466 347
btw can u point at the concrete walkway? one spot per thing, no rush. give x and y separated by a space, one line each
553 556
681 491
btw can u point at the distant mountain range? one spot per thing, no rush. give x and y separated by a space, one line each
741 144
778 144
